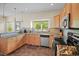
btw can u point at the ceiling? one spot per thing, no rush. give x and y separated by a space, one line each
28 7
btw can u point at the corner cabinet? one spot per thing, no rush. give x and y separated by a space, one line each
8 45
67 8
33 39
51 39
57 21
74 21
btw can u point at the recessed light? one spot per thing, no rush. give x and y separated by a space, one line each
51 4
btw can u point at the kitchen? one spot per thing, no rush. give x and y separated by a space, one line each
37 29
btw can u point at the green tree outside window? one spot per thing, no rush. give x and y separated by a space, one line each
40 25
9 28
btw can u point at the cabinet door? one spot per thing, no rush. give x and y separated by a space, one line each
29 39
37 40
51 39
74 21
57 21
33 39
11 44
62 14
67 8
20 40
3 45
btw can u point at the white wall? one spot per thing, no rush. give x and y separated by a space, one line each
28 17
2 24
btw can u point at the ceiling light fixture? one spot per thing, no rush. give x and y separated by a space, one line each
15 13
51 4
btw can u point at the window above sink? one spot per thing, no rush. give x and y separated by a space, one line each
41 25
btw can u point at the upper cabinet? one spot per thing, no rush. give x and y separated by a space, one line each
64 15
69 16
74 21
67 8
57 21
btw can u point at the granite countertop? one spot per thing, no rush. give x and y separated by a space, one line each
9 35
65 50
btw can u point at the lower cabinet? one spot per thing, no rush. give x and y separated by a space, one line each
11 44
33 39
51 39
28 39
20 40
3 45
36 40
8 45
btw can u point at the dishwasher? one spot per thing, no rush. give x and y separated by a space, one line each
44 40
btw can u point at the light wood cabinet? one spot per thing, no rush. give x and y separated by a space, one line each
37 39
57 21
7 45
28 39
74 21
11 44
67 8
33 39
3 45
51 39
20 40
62 14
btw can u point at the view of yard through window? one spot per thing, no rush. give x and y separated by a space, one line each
9 27
40 25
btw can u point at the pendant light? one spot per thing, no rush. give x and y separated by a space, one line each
22 17
3 12
15 14
3 17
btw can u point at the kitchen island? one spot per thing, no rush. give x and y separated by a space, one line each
10 42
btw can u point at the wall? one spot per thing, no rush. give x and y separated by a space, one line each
2 24
29 17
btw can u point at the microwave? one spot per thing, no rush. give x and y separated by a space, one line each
65 23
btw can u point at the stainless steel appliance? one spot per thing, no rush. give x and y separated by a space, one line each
65 23
73 39
44 40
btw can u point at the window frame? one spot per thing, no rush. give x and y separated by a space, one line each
40 20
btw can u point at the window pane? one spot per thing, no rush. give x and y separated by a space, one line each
45 25
40 25
37 25
10 27
18 26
